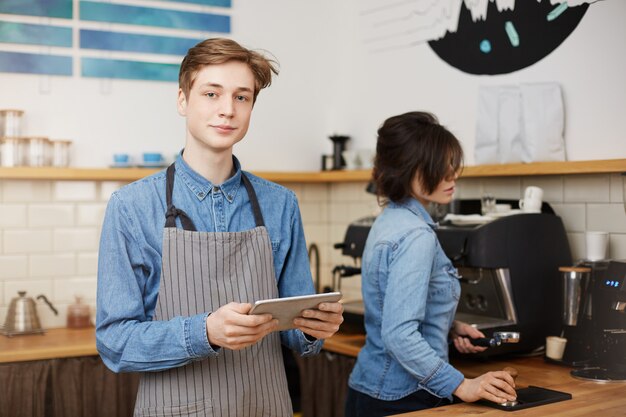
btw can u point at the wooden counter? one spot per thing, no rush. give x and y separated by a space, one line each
589 398
499 170
54 344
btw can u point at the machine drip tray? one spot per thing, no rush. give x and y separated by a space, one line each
531 397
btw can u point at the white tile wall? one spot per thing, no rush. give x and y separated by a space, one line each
65 289
618 182
52 266
27 241
76 240
606 218
49 215
587 188
74 191
13 267
12 216
49 231
87 263
19 191
90 214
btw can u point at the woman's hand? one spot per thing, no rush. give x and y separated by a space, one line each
322 322
460 334
498 386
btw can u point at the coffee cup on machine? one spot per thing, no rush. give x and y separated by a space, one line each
532 201
555 347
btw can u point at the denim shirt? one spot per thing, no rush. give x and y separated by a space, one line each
129 264
410 291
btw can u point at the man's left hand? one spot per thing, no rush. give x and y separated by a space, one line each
322 322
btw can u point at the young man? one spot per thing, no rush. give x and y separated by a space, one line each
185 252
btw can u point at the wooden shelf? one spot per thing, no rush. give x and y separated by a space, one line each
502 170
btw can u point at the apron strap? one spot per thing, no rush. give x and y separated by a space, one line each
172 212
256 209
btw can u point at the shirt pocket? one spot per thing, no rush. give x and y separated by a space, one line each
454 277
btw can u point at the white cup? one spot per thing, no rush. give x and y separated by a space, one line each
555 346
596 244
531 203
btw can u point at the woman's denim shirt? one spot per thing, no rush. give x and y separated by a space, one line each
410 291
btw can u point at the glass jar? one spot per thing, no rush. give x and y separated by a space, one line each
13 152
11 123
78 314
61 153
38 152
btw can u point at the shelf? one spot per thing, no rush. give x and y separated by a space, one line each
503 170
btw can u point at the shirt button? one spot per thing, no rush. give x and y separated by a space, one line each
201 195
216 189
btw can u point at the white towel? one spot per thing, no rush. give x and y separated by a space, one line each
519 124
542 105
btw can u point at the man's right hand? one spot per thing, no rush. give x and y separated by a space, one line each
231 327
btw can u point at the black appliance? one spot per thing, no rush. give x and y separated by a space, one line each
509 275
606 326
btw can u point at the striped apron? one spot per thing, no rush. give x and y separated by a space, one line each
201 272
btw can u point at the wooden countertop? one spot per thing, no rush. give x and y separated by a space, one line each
55 343
589 398
497 170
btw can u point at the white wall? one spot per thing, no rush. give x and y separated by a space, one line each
330 84
590 65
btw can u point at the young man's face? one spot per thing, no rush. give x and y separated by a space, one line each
218 106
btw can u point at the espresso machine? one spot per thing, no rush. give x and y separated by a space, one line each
604 324
509 274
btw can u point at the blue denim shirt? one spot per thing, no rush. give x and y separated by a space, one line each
129 264
410 291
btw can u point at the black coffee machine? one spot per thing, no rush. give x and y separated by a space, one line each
606 325
509 269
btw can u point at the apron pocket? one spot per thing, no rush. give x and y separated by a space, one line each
198 409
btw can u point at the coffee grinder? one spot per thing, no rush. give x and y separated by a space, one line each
608 333
576 314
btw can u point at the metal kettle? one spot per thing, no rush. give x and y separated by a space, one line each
22 316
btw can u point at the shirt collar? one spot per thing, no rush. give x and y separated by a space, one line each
201 187
416 208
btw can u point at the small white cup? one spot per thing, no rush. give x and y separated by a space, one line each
596 244
533 198
555 346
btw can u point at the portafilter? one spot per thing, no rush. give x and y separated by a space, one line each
497 339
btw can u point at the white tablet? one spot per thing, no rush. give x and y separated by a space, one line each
288 308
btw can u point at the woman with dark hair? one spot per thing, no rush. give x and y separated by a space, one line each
410 288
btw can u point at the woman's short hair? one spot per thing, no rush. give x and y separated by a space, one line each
409 144
218 51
